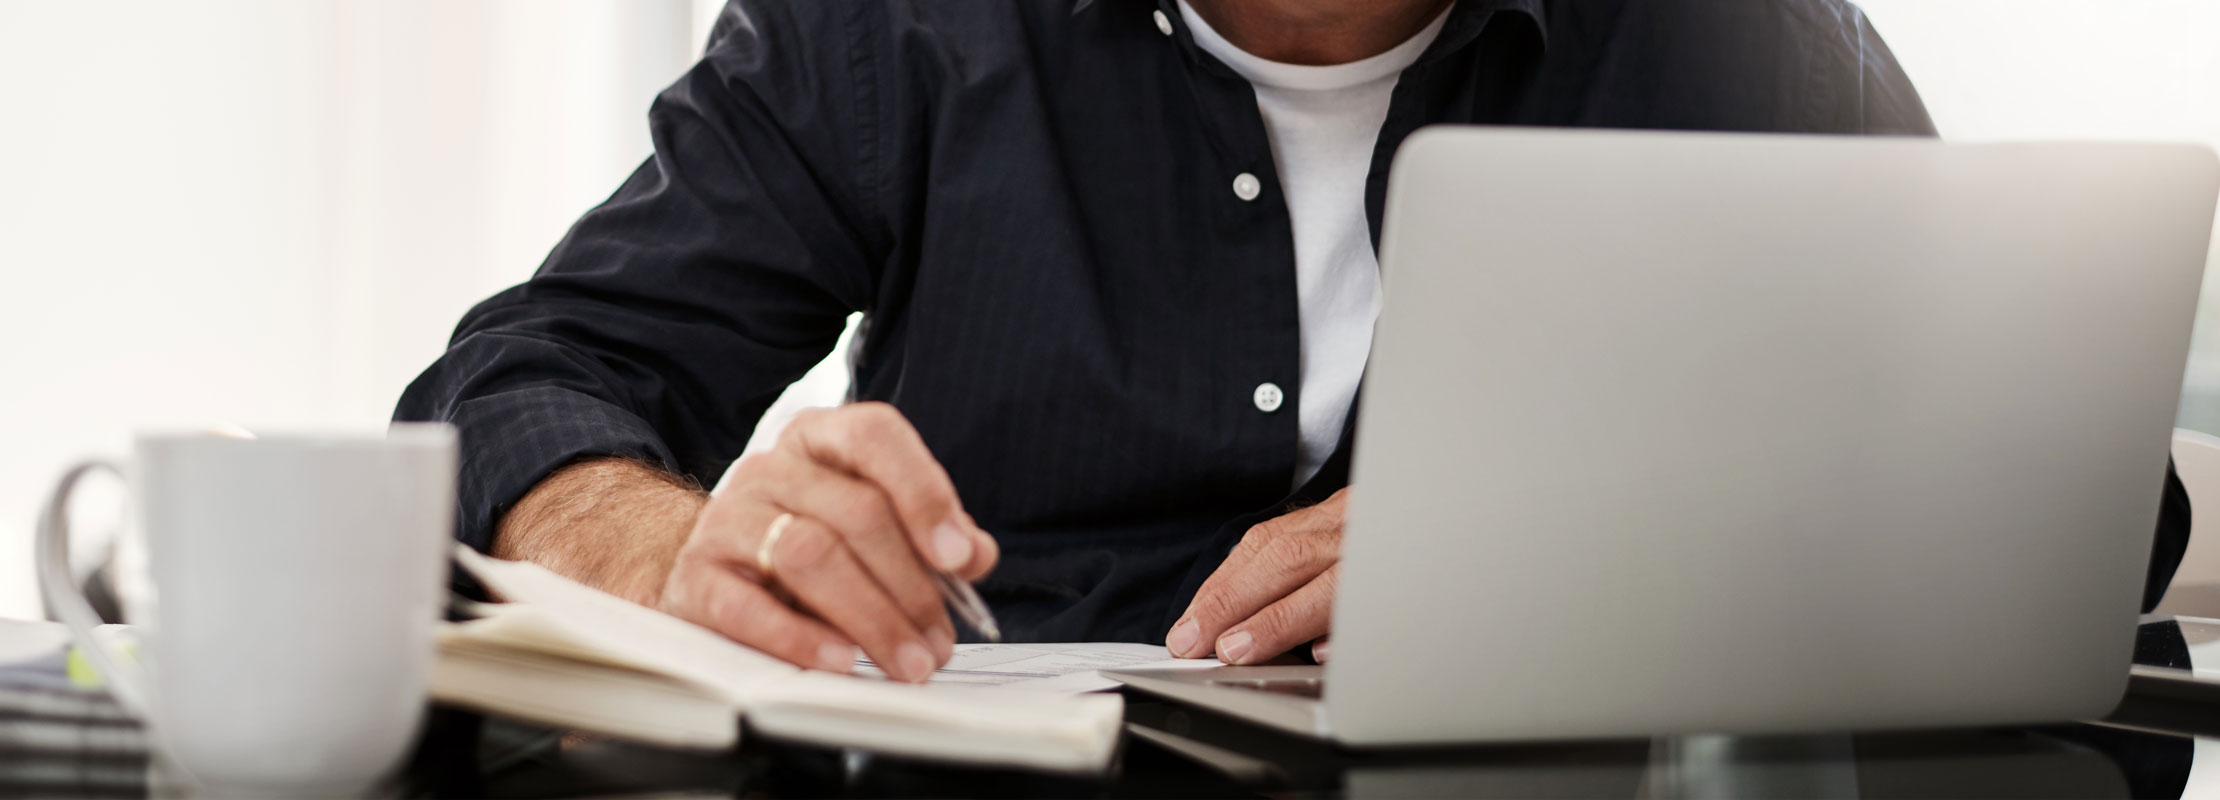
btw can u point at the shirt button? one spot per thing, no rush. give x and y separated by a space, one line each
1247 187
1163 23
1268 397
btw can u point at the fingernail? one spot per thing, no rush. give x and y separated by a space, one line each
1235 646
951 546
916 664
1182 638
943 639
1318 651
836 658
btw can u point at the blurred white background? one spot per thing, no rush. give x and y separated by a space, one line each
272 212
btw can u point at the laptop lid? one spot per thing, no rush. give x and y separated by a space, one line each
1679 432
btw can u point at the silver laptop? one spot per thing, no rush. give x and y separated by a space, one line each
1675 433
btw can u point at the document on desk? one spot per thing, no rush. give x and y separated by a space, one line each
566 655
1064 668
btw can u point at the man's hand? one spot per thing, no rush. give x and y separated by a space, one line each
873 514
1275 591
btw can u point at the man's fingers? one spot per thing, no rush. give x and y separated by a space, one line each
1320 649
875 442
814 563
983 558
860 513
874 515
713 596
1270 562
1297 618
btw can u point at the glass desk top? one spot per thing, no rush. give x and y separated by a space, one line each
2163 742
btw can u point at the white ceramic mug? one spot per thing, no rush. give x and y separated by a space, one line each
296 585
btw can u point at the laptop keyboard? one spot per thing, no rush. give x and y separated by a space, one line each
1312 688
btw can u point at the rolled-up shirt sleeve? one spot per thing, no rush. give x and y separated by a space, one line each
1888 104
670 317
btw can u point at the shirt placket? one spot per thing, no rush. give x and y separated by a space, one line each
1262 332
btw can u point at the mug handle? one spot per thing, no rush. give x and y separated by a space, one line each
126 681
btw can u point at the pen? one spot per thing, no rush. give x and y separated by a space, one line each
969 607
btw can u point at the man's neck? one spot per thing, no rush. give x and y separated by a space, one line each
1318 32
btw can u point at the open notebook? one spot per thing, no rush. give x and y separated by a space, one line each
560 653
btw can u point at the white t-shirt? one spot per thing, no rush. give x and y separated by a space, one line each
1324 122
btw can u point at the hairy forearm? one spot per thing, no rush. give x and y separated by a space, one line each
613 524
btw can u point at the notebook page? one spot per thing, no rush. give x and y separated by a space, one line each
1068 667
1055 732
556 615
562 617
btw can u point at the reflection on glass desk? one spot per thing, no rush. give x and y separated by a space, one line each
1171 751
1174 752
2054 761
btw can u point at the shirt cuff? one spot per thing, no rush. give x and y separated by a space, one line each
513 440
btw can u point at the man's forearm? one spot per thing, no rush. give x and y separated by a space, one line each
612 524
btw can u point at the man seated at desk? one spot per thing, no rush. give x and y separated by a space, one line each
1116 265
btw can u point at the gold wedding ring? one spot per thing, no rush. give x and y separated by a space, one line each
771 539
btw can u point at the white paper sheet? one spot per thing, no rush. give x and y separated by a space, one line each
1067 667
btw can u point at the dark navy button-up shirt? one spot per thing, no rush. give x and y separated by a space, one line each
1028 200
